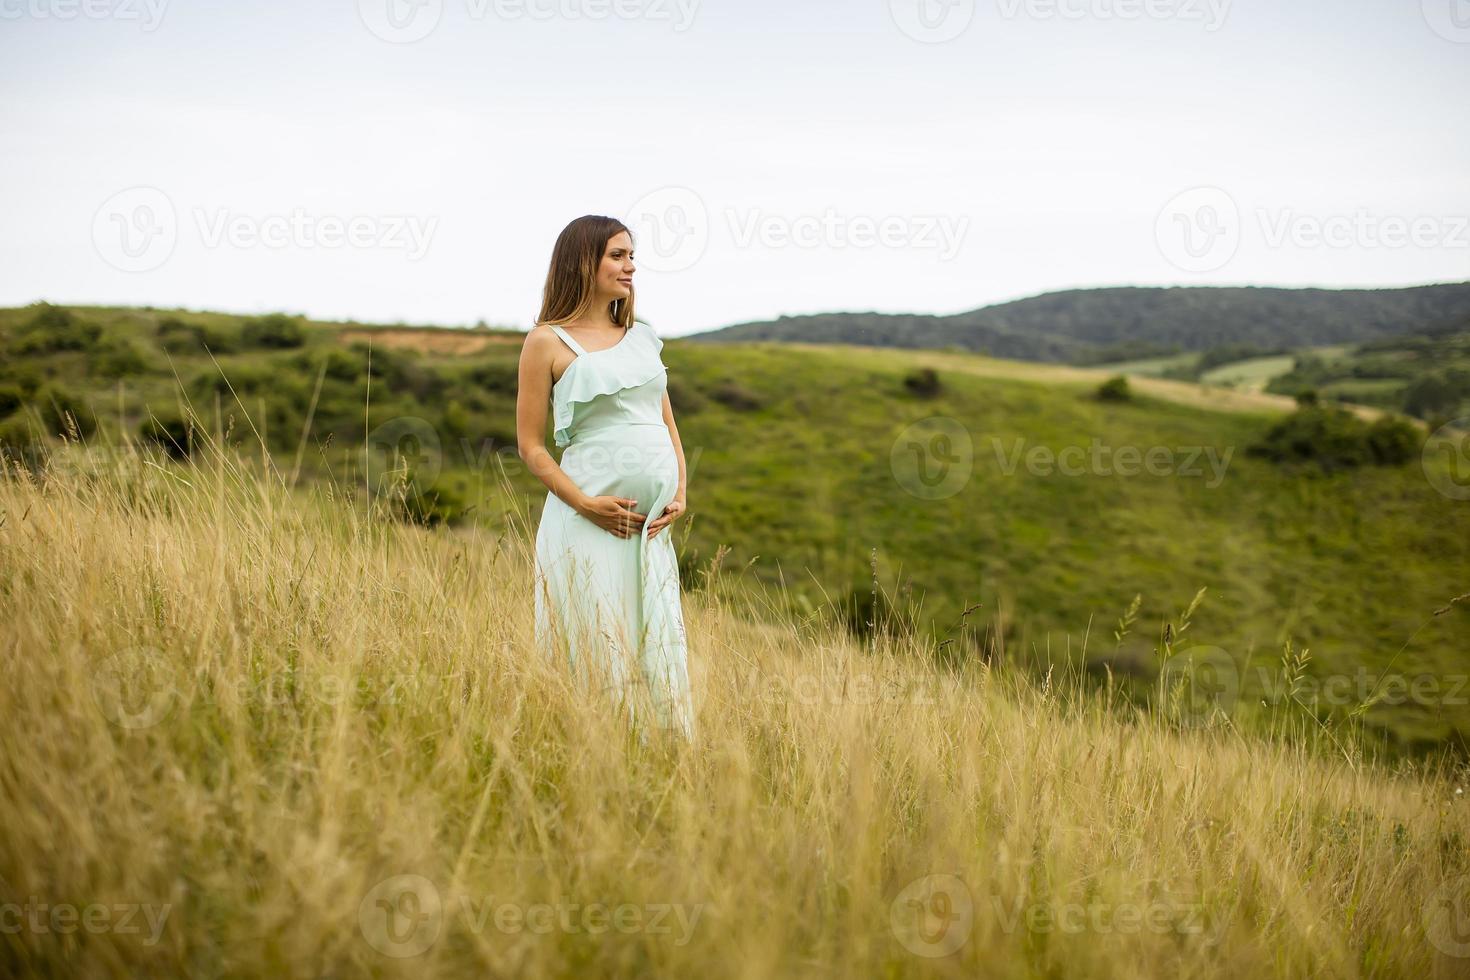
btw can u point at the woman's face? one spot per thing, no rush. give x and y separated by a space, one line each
615 274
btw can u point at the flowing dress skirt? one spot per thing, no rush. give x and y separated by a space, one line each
613 604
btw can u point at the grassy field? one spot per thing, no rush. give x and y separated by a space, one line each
1427 376
255 731
1009 491
1253 374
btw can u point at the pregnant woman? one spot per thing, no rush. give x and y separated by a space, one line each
607 579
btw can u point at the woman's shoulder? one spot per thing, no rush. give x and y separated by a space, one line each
540 335
652 334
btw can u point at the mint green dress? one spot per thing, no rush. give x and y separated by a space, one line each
610 604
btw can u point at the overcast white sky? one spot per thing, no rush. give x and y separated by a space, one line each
775 157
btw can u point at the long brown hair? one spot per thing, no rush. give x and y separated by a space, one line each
572 279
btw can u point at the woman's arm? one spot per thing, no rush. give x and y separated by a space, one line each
678 505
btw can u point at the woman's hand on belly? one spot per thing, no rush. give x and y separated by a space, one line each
614 515
672 511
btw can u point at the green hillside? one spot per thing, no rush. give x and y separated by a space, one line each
1087 326
816 465
1424 375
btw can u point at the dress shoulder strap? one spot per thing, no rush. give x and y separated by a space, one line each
567 338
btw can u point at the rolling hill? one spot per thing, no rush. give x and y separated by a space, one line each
1093 325
955 482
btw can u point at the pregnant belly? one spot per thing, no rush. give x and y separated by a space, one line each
628 460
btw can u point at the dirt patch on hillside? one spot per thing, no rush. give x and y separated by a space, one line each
452 343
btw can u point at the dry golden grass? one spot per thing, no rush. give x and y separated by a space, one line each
296 740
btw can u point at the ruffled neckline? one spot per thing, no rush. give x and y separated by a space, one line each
627 336
577 388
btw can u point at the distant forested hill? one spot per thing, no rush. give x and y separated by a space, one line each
1095 325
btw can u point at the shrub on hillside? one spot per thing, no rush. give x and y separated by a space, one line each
178 337
736 396
240 380
1438 394
174 435
496 376
1393 442
54 329
685 398
1115 389
274 330
22 374
431 507
457 422
19 439
59 408
1335 438
11 399
402 371
118 357
340 365
868 613
923 383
